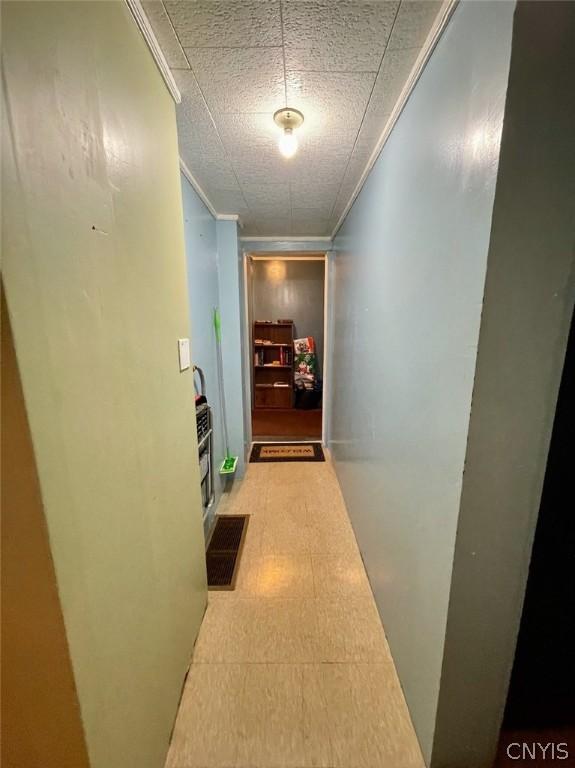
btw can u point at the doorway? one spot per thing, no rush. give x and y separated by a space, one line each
286 317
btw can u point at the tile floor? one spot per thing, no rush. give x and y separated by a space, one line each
292 669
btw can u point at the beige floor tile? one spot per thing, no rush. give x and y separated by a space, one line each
329 537
207 727
285 576
271 576
227 631
247 576
350 630
286 632
252 542
366 719
340 576
272 734
245 630
286 530
292 668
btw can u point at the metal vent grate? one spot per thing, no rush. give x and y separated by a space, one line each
224 550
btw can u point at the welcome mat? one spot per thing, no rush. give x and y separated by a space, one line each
287 452
224 550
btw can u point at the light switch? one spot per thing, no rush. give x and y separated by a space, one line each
184 353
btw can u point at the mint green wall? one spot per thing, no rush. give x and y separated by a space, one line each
95 279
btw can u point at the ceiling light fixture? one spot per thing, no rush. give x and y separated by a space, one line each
288 120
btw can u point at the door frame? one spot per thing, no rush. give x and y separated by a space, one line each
295 255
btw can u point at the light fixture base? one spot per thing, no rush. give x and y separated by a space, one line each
288 118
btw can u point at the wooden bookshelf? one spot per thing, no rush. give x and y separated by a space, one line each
272 360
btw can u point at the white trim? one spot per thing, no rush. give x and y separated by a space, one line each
326 375
326 299
435 33
248 351
187 173
285 239
204 198
281 256
139 16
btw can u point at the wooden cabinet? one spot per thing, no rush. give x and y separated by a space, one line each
273 365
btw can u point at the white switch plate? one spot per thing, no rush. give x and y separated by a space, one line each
184 353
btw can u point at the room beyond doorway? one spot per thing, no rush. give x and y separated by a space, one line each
285 296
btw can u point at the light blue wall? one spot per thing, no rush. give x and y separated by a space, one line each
215 280
203 291
409 271
231 285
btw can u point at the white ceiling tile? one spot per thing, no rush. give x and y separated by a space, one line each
220 23
337 211
318 228
321 198
332 58
414 20
274 226
395 70
192 112
249 226
247 136
200 145
330 101
228 201
164 31
349 35
332 50
267 196
261 170
240 79
308 214
373 125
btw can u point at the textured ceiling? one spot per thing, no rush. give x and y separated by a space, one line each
342 63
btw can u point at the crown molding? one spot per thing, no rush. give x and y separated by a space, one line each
285 239
201 194
139 16
431 41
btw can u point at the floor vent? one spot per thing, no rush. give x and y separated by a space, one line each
224 550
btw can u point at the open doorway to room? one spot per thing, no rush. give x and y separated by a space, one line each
286 301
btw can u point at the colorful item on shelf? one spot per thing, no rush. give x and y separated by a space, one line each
304 345
305 368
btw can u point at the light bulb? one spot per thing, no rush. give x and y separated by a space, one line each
288 143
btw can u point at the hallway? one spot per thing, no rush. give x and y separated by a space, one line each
217 215
293 668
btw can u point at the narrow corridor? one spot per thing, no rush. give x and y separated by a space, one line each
293 668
